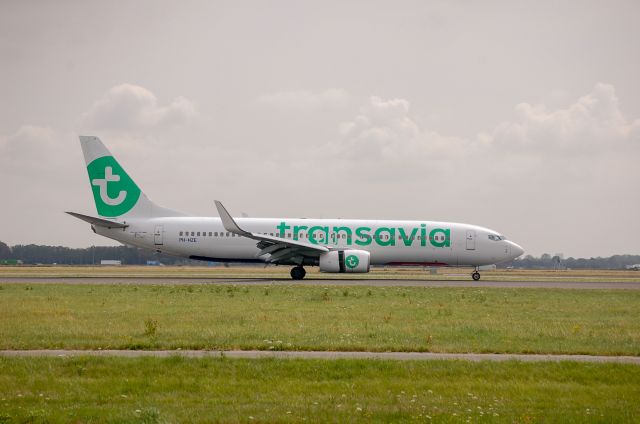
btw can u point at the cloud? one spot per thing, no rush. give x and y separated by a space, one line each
381 120
385 142
586 126
593 126
128 107
30 148
305 100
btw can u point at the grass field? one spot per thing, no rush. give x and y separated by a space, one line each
300 317
152 390
312 272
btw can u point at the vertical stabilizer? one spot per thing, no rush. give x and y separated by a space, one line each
114 191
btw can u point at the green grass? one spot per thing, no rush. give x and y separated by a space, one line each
316 318
222 390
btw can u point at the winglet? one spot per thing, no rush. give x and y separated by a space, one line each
228 222
230 225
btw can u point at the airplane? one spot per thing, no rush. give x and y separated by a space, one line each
127 215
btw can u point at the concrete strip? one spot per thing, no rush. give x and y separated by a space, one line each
257 354
629 285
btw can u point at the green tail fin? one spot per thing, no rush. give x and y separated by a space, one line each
114 191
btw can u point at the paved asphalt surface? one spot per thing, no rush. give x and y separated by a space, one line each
560 284
256 354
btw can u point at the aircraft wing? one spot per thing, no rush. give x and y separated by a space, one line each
98 221
278 249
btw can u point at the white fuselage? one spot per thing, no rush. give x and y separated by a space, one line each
419 243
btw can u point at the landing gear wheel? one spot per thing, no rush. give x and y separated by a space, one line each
298 273
475 275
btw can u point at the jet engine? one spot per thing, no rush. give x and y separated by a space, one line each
345 261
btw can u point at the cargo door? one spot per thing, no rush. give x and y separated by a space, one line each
471 240
157 235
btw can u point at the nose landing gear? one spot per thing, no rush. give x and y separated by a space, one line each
298 273
475 275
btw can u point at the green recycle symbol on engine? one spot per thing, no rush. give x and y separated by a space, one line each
352 261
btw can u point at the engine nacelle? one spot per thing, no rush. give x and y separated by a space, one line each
345 261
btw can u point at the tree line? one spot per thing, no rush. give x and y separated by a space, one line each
547 261
39 254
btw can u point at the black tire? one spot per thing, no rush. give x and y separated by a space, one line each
475 276
298 273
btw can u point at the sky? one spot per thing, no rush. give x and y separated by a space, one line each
523 117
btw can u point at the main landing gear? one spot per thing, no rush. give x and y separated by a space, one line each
475 275
298 273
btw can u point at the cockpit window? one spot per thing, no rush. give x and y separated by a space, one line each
496 237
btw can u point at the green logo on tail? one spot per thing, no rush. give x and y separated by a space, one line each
352 261
114 191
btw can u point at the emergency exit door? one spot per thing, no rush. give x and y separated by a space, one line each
471 240
157 235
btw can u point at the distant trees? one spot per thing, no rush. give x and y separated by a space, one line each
546 261
38 254
5 251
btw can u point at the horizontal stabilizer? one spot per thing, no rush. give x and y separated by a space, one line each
98 221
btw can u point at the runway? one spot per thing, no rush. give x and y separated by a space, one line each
258 354
560 284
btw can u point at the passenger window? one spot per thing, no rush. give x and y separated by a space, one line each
180 232
192 233
210 234
227 234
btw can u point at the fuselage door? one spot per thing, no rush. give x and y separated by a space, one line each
157 235
471 240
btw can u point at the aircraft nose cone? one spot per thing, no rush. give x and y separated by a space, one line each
516 250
